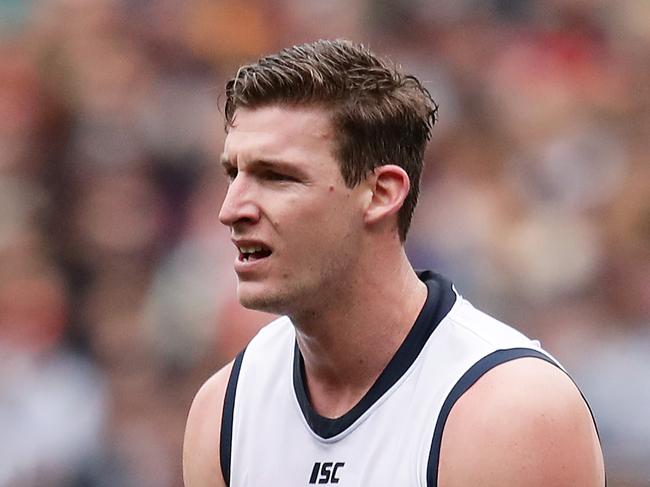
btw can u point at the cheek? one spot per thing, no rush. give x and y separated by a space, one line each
325 233
313 220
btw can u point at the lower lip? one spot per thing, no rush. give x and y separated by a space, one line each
247 266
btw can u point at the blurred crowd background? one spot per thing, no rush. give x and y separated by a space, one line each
116 284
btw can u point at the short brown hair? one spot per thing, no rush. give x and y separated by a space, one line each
380 115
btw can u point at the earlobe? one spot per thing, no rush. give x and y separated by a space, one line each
389 187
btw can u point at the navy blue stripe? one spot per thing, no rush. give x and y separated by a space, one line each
465 382
225 445
440 299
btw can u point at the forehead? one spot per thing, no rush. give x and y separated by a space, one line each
279 132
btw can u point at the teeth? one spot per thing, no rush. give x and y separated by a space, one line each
250 250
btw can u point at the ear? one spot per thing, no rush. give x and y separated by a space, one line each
389 185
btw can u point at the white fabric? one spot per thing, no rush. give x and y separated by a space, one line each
389 444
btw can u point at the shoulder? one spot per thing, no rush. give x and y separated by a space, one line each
523 423
201 466
202 442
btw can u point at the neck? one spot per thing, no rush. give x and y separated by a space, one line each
350 339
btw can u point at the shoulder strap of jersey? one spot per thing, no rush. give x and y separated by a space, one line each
468 379
225 446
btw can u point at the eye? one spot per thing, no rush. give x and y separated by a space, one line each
276 176
231 172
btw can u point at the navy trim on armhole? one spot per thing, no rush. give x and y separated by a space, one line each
225 445
464 383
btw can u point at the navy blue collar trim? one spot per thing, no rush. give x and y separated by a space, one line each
440 299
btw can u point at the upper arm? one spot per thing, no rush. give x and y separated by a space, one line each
523 423
201 466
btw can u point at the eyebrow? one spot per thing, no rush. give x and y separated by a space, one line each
262 164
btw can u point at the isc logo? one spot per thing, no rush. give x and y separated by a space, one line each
325 473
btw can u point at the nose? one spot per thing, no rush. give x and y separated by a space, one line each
239 205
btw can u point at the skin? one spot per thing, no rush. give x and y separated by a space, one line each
336 268
523 423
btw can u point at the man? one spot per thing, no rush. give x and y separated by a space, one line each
375 375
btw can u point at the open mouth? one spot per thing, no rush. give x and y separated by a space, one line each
253 252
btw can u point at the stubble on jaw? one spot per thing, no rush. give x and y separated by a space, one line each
304 300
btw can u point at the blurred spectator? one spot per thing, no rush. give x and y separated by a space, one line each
52 401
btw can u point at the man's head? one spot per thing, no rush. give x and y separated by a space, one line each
380 116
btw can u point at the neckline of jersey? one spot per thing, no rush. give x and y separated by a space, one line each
440 299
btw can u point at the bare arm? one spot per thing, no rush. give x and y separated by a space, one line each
201 466
523 423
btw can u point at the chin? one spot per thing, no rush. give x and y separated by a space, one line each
261 300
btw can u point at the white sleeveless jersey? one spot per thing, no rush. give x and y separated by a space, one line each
270 435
